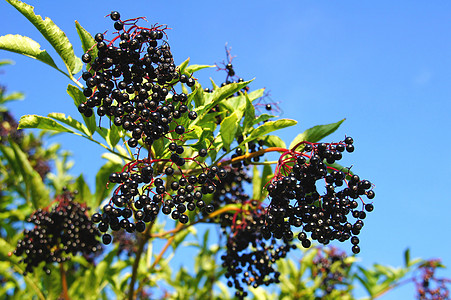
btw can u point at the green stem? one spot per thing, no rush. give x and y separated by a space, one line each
31 283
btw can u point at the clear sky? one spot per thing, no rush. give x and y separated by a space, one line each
385 66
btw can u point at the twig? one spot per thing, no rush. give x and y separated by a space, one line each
142 242
64 293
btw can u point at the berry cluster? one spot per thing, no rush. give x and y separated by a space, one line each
132 82
296 200
331 267
230 190
64 230
175 196
429 286
251 254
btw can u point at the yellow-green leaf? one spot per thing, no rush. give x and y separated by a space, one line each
316 133
40 122
52 33
26 46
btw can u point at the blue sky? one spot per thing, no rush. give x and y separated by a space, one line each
384 66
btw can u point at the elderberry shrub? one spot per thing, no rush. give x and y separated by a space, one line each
58 233
297 202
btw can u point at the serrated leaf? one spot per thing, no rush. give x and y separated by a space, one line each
267 175
228 129
52 33
40 122
183 65
26 46
262 118
102 180
87 41
316 133
68 120
268 127
249 114
84 193
112 136
274 141
194 68
35 187
219 94
79 98
256 184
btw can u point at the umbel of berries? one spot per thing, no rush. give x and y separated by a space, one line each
58 233
131 82
326 214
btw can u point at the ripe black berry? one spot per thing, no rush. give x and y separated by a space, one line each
118 25
115 15
106 238
86 58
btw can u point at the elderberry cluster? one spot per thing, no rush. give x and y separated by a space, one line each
331 267
230 190
63 231
132 82
297 202
251 254
428 286
132 207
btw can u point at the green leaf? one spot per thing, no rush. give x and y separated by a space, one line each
228 129
194 68
112 136
254 95
84 193
79 98
68 120
219 94
267 175
102 178
183 65
407 257
52 33
87 41
316 133
40 122
13 97
36 191
249 114
268 127
274 141
256 184
5 62
207 135
262 118
26 46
